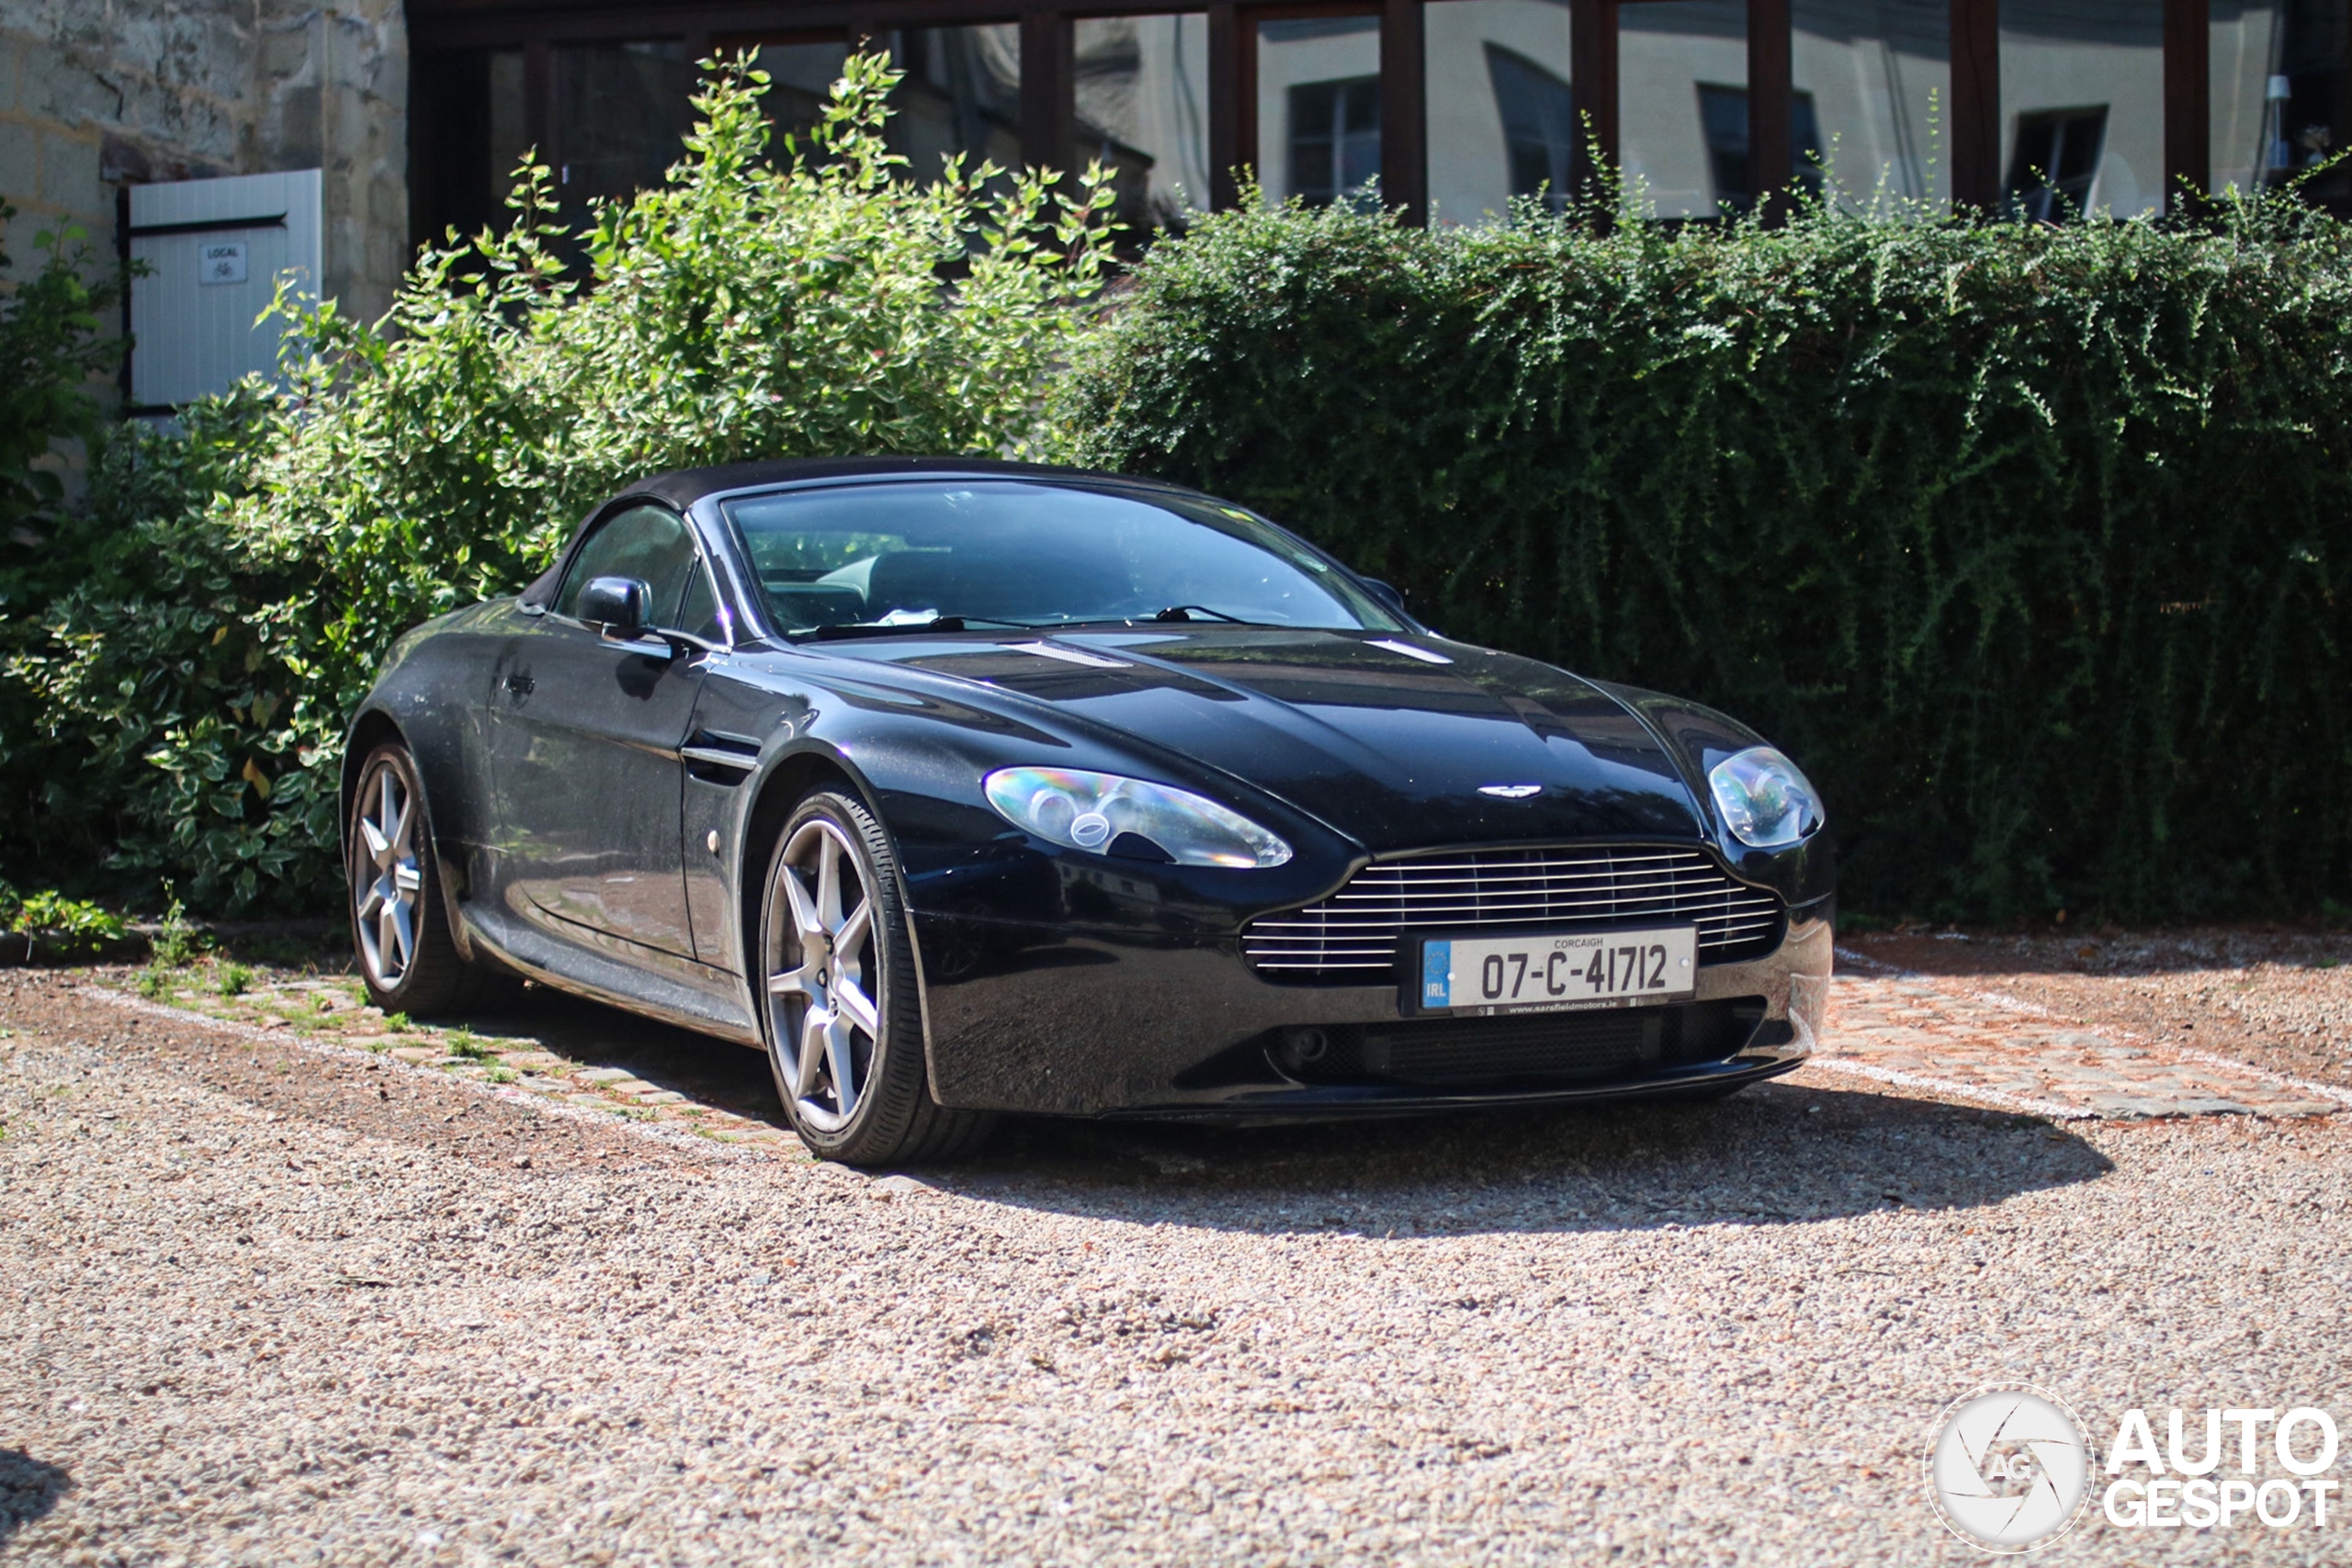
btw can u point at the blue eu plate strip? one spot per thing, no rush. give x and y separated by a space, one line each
1437 974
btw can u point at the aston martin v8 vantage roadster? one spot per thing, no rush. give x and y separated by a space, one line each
962 787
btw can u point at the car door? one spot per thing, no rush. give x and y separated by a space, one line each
584 740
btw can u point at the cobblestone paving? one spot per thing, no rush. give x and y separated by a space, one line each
1949 1037
590 1060
1943 1035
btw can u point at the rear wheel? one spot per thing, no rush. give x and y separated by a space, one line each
399 924
843 1014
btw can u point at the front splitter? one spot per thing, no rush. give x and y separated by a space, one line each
1272 1105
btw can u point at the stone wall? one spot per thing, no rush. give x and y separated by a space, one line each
95 93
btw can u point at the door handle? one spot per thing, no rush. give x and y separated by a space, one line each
520 684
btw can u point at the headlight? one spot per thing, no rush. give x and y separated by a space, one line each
1766 803
1095 811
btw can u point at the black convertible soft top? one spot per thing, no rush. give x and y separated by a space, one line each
686 486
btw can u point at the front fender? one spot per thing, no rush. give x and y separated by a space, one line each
431 694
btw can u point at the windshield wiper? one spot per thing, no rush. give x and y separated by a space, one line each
838 631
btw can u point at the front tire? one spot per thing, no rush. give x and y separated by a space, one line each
399 926
843 1006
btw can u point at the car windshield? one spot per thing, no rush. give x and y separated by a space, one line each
1020 553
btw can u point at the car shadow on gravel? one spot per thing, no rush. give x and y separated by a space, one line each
28 1489
1778 1154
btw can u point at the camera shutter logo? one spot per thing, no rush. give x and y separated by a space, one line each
2008 1469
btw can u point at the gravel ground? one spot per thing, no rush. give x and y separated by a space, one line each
266 1299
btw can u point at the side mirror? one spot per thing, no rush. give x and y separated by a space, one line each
621 605
1387 593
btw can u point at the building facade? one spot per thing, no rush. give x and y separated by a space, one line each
100 95
418 113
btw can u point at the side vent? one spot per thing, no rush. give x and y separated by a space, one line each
717 758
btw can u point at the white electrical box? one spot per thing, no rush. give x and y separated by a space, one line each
214 250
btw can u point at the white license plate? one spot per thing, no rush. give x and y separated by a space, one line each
1551 973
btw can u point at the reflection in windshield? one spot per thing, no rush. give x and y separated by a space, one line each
996 553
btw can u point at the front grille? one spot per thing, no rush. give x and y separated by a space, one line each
1351 937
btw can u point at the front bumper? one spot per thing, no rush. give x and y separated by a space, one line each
1034 1018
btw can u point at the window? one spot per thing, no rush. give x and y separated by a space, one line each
2056 167
2082 108
1722 115
1143 111
467 130
960 94
1539 125
2303 51
1879 75
1500 123
1666 48
1334 139
1318 134
801 75
651 545
621 114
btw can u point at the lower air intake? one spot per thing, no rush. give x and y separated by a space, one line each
1530 1050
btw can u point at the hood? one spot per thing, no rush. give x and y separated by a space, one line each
1388 739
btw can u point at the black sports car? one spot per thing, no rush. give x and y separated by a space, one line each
963 787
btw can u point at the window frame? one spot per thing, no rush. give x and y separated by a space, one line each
573 552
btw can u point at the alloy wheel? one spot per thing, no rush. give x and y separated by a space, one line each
386 879
823 971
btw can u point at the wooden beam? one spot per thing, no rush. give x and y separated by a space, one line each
2188 103
1975 105
1771 90
1404 112
472 24
1593 82
1232 101
1048 90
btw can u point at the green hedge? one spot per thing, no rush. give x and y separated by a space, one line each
2029 542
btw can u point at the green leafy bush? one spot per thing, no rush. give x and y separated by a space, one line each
144 645
194 696
51 348
47 919
2029 542
177 943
